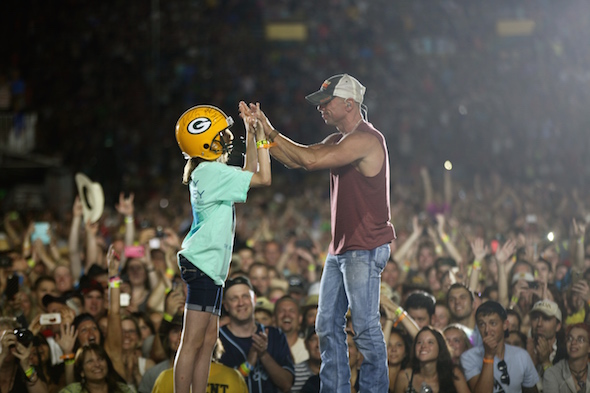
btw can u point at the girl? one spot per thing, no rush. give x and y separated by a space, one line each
203 135
398 355
431 367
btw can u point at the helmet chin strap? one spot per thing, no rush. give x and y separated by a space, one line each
221 140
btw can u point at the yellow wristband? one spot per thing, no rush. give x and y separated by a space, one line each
267 145
31 263
167 317
311 267
30 372
514 299
261 143
445 238
244 369
401 318
170 273
129 219
476 264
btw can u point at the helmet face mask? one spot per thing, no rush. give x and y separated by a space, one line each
203 131
223 142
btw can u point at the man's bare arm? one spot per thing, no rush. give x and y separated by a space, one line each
328 154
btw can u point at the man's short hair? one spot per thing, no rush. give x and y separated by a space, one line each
488 291
445 261
462 286
257 264
546 262
419 300
426 244
83 317
491 307
42 279
516 314
286 298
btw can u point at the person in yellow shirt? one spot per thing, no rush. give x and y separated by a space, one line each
221 379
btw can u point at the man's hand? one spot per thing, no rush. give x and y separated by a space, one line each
388 306
258 114
171 239
260 343
77 209
175 303
91 227
113 261
530 348
543 350
579 228
23 354
480 250
582 289
491 346
7 339
35 325
416 227
125 205
505 252
67 314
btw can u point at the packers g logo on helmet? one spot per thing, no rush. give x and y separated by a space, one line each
203 131
199 125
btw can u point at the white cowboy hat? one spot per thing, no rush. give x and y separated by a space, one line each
91 196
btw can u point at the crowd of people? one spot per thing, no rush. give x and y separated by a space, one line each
452 254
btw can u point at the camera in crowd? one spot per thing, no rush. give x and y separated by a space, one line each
26 337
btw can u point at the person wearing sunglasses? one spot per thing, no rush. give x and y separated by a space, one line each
496 366
571 375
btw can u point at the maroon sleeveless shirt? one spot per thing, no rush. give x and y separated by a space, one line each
360 205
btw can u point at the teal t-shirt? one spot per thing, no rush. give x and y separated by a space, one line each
214 188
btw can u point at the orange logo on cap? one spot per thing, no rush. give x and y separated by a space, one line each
326 84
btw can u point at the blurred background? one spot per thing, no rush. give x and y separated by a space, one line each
493 87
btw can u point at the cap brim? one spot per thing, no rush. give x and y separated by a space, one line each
319 97
542 312
48 299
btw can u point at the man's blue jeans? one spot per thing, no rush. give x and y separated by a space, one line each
352 279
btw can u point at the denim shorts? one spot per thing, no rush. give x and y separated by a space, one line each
203 294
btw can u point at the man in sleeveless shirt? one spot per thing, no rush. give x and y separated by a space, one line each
358 160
